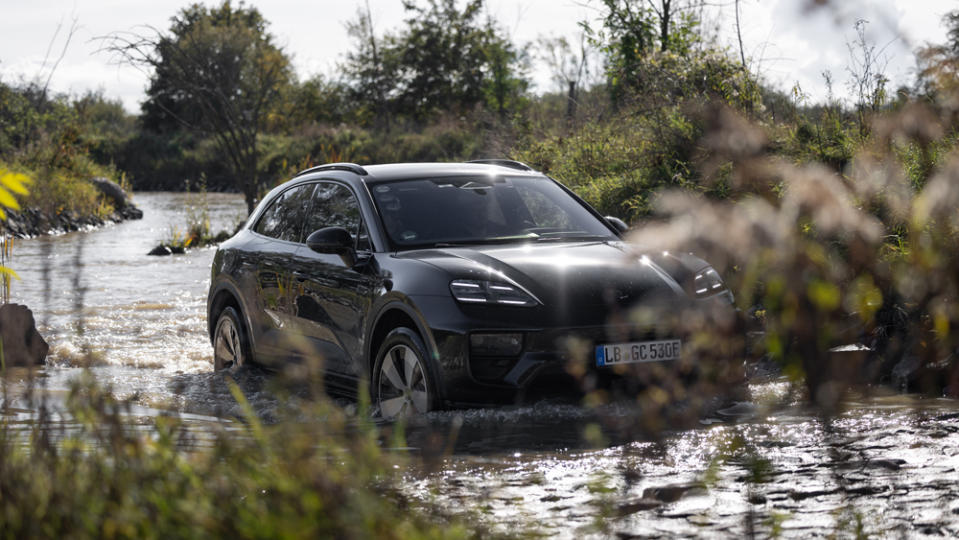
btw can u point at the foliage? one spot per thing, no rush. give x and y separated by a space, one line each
101 477
939 63
864 258
444 60
61 143
10 183
616 164
216 71
198 232
630 33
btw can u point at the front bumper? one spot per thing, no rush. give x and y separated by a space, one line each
559 359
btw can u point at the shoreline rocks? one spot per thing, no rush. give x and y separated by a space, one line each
31 222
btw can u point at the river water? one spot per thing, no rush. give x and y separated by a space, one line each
887 466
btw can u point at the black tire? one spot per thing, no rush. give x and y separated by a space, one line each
402 383
231 348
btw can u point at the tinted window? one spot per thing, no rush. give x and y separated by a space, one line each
285 217
483 209
335 206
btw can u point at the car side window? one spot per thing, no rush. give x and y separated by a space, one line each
335 206
284 218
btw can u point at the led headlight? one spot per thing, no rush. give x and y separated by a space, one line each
708 283
471 291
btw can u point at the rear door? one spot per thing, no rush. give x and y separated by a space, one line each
278 236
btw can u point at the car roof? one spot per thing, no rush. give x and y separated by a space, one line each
373 174
406 171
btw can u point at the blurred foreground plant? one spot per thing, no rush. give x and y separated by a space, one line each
868 257
10 183
101 475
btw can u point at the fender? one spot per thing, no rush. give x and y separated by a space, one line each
226 284
403 303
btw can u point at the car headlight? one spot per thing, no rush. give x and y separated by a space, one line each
708 283
471 291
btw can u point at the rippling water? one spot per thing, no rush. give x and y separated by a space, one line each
889 466
99 291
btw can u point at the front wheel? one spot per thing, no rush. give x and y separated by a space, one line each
230 349
401 384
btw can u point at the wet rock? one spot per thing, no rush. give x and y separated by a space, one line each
637 505
111 191
673 493
131 212
757 498
22 344
160 251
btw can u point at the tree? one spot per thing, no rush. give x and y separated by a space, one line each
445 59
632 30
504 74
867 77
216 71
568 67
371 66
939 63
441 57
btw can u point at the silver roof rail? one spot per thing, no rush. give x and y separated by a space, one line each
512 164
351 167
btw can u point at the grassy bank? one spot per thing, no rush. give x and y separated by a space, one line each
60 143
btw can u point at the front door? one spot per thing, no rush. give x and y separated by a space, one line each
334 295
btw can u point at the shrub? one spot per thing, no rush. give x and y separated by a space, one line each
315 475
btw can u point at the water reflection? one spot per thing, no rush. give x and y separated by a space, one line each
888 466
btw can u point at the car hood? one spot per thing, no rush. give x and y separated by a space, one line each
564 274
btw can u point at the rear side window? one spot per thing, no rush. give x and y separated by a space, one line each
285 217
335 206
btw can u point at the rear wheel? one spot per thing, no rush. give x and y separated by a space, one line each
402 385
230 350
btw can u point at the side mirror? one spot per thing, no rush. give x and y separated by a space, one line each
618 224
334 240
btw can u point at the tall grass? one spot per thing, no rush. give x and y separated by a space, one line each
90 470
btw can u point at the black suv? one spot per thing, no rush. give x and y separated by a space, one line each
444 284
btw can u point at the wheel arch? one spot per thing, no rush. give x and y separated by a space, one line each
225 295
393 315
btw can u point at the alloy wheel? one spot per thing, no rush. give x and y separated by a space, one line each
402 388
228 349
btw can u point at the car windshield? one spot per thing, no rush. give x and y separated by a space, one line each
484 209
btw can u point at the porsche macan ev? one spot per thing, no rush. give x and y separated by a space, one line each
443 285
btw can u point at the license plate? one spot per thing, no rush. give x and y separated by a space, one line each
637 352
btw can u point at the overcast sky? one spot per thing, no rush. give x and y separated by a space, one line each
783 39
